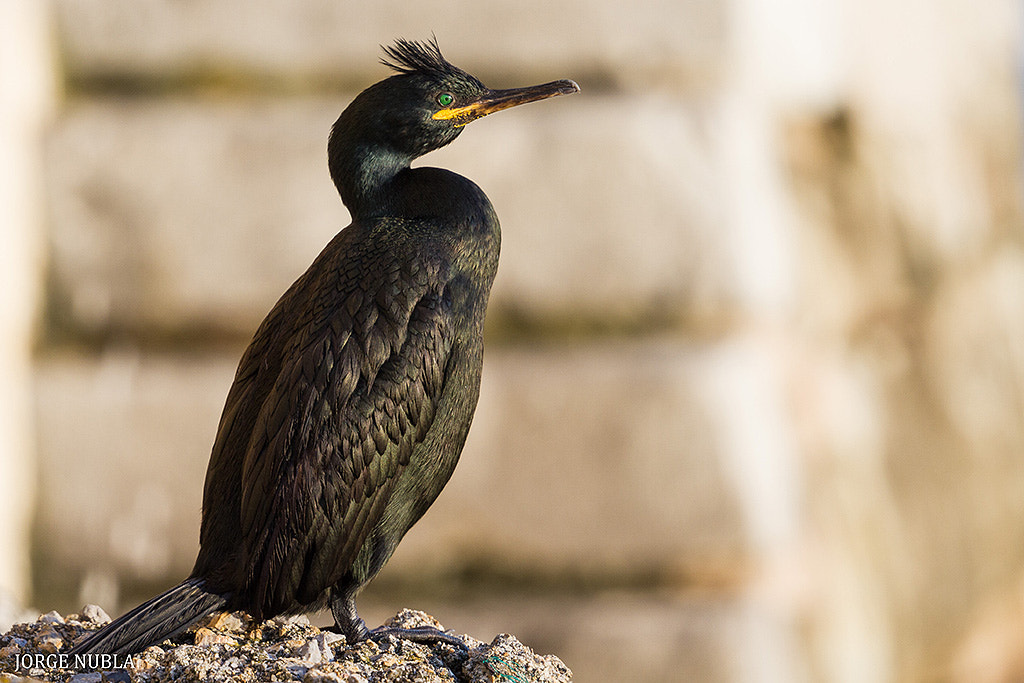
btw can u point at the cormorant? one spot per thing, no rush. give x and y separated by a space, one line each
351 404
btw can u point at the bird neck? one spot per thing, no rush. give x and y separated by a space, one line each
363 173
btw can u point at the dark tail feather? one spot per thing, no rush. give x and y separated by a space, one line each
152 621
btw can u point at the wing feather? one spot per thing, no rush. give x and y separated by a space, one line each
353 394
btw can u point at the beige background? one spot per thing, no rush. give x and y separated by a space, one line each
753 401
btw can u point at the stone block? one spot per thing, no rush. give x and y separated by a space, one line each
123 441
611 209
175 214
649 41
178 215
599 461
622 460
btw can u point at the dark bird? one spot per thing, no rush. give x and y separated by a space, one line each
351 404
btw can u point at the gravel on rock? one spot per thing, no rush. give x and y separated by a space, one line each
231 646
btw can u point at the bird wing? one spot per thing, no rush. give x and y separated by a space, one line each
355 386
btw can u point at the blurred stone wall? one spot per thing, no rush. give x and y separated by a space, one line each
27 96
753 401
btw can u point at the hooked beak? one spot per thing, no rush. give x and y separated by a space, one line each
496 100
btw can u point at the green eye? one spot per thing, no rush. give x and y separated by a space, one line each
445 99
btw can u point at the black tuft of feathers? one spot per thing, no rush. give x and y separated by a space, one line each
420 57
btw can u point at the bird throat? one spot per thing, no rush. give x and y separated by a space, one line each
363 175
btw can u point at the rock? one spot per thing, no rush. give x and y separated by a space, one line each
232 646
95 614
295 668
91 677
508 659
329 638
121 676
205 636
48 640
320 676
411 618
226 621
310 653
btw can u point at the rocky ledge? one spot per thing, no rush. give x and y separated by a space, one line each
233 647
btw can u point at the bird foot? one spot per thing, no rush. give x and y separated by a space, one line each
425 635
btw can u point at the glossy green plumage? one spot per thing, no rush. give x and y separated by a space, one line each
351 404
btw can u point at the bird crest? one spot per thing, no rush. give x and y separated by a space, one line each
420 57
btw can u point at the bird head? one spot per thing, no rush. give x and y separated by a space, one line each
423 107
428 102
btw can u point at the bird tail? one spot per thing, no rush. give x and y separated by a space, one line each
152 621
